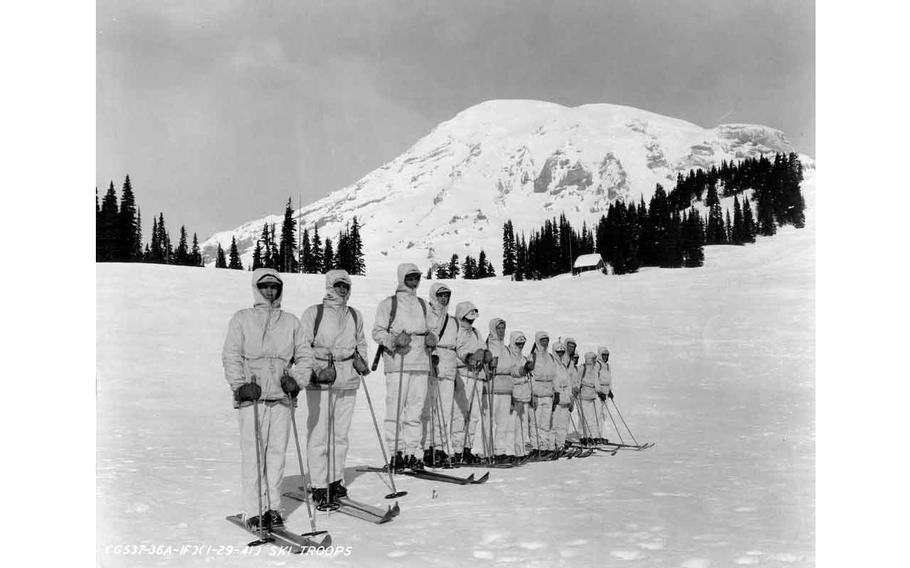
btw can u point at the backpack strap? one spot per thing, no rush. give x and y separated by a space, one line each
320 310
423 306
392 312
445 322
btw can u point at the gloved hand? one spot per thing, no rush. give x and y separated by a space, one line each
529 366
402 343
487 357
360 364
248 392
555 398
533 403
610 395
602 396
522 370
431 340
512 405
327 375
555 404
289 385
572 406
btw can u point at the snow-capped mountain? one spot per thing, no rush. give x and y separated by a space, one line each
513 159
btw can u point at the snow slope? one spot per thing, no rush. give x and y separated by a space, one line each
714 364
523 160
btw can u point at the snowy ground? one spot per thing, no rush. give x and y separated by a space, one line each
715 365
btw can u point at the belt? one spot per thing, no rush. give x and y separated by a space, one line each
334 359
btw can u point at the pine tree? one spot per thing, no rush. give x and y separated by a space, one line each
219 258
749 229
429 275
107 233
521 259
508 249
737 237
195 254
273 244
234 255
484 268
328 256
306 256
266 250
453 269
343 255
155 254
469 268
287 251
181 255
716 233
316 254
728 228
127 246
138 238
257 256
358 266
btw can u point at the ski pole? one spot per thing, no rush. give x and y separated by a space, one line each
398 412
615 427
586 428
467 418
600 431
624 422
303 474
257 432
444 433
330 504
395 493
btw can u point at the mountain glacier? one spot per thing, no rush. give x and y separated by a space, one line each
523 160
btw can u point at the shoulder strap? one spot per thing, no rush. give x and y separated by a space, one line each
445 322
393 311
353 315
320 309
423 306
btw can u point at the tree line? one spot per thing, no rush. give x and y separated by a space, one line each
470 269
118 238
669 231
118 233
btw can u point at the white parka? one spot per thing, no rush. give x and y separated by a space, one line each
468 340
545 367
604 376
508 367
263 342
409 318
521 385
445 348
340 334
589 381
562 379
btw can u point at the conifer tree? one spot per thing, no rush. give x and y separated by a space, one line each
257 256
328 256
127 245
508 249
738 235
316 254
358 265
453 269
195 254
429 275
181 255
469 268
521 259
108 231
266 239
155 254
139 257
728 228
287 250
306 255
234 256
749 229
219 258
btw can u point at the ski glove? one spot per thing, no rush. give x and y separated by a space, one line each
290 386
248 392
430 340
602 397
610 395
555 399
360 364
529 366
534 402
402 343
487 357
572 406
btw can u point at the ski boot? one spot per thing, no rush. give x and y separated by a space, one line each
468 457
429 457
337 490
321 499
414 464
253 523
397 463
273 519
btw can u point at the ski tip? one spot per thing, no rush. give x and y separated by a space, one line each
485 477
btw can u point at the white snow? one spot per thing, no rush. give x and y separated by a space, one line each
713 364
527 161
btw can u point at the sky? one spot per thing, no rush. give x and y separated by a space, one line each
220 111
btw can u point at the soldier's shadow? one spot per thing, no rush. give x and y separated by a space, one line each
295 483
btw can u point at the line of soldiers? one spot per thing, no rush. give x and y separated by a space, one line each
445 386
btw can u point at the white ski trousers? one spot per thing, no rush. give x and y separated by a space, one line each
437 415
540 423
413 397
503 425
590 416
324 414
463 435
560 425
274 430
521 434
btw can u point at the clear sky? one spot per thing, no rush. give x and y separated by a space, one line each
221 110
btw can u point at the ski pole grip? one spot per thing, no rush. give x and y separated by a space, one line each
375 364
